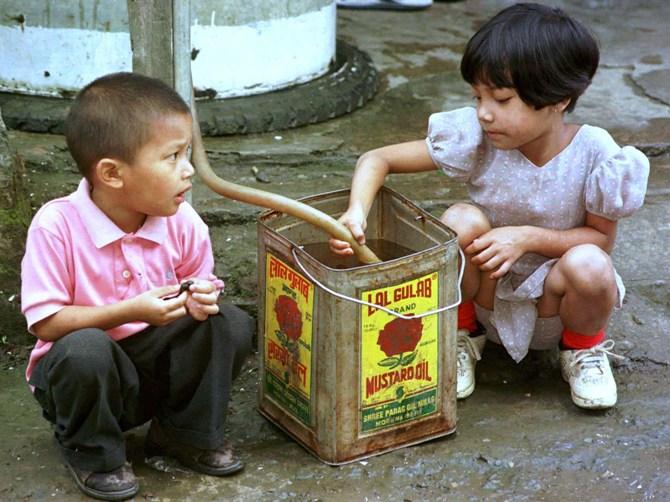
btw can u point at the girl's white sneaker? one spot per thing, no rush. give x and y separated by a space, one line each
468 352
590 377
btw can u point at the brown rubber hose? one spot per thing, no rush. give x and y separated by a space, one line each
271 200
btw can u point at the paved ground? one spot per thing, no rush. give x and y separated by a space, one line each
519 437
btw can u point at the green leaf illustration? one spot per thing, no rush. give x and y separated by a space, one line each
408 358
292 346
390 362
282 337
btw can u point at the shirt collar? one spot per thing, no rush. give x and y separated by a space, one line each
104 231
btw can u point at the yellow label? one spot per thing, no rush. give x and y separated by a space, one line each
289 304
399 357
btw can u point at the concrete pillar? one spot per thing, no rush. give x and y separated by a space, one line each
240 47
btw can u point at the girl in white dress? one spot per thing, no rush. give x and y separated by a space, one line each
545 198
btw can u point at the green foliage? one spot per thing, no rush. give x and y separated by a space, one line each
15 216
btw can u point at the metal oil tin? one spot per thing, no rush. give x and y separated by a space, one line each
340 371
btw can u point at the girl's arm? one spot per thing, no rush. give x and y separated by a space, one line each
148 307
498 249
373 166
555 243
369 175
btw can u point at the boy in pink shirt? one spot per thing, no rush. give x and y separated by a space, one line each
119 342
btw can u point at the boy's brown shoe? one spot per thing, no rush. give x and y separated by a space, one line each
118 484
221 461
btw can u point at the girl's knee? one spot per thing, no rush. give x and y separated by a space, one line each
589 268
468 221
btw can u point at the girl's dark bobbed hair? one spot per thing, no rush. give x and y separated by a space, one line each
542 52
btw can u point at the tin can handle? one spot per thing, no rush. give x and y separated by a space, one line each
381 307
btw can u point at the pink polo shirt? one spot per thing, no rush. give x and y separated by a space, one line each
75 255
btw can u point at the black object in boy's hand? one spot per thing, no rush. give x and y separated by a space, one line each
184 286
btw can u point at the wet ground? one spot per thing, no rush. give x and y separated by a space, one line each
519 437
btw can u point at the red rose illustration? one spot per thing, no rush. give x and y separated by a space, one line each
289 317
400 335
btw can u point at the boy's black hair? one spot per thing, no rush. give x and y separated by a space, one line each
112 117
542 52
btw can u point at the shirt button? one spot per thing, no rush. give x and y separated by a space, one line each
126 274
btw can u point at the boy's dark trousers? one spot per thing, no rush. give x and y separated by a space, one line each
92 388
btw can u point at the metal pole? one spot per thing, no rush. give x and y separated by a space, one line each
160 37
181 43
181 57
151 26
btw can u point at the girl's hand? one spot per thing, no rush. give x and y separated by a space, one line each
354 219
153 309
202 299
498 249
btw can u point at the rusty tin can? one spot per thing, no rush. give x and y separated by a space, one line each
354 359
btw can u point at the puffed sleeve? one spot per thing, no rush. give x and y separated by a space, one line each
455 142
617 186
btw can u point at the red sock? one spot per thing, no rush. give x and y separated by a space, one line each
467 317
572 340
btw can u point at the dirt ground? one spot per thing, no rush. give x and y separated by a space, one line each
519 437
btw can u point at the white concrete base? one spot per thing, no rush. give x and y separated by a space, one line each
268 55
233 60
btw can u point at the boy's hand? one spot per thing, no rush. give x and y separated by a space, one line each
354 219
498 249
202 299
152 308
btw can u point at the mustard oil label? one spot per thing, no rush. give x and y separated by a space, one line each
289 309
399 357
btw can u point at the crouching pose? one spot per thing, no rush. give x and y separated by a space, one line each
545 197
119 341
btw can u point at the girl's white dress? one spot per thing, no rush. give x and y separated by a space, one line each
592 174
